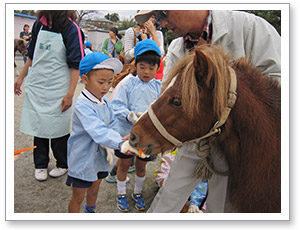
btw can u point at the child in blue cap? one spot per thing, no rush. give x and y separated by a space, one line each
94 135
133 97
88 48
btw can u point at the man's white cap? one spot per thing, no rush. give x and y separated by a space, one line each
143 15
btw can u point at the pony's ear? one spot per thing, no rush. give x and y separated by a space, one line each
202 68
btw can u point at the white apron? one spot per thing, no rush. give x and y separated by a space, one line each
46 85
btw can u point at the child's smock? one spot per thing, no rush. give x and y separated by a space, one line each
134 95
94 124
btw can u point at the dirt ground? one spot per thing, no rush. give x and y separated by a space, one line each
52 195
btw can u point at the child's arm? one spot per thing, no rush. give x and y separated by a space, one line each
96 128
120 102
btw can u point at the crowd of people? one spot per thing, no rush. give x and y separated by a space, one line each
92 150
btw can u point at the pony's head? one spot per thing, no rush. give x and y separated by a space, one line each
191 101
20 45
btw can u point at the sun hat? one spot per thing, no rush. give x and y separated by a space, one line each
88 44
146 45
99 60
143 15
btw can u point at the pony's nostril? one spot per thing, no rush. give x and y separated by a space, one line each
133 140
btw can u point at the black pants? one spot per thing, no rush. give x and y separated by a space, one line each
41 153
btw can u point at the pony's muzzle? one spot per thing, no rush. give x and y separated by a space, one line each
133 139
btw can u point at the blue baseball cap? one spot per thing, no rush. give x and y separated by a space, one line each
146 45
99 60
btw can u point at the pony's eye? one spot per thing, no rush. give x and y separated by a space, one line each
175 101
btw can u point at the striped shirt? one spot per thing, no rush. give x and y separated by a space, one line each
129 43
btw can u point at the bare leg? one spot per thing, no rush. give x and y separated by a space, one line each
76 200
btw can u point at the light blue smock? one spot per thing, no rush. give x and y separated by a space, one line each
46 85
134 95
92 125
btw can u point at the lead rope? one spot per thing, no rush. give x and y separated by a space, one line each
205 168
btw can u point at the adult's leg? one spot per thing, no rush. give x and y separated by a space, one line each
59 148
41 153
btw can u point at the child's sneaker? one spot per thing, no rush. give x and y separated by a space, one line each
88 209
131 169
122 203
113 179
139 201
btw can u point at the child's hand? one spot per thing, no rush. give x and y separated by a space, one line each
131 117
109 154
139 114
126 137
127 149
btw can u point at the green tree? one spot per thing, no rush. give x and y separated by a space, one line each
126 23
114 17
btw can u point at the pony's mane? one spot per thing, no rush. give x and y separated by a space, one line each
217 78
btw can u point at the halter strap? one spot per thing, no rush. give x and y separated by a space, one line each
232 95
162 129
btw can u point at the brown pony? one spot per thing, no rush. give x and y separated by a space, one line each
192 101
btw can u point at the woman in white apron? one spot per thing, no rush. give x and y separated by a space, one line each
54 56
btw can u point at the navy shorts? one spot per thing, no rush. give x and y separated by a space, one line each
124 156
77 183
